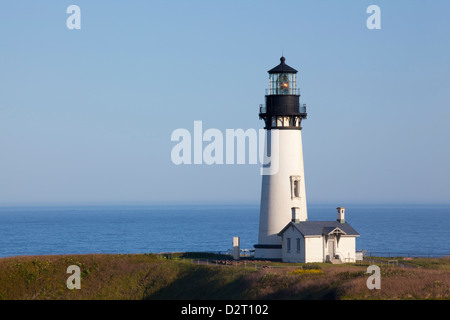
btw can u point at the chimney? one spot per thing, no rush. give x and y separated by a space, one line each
340 214
295 214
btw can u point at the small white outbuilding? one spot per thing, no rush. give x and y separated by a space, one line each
318 241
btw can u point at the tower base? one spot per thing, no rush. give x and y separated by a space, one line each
268 251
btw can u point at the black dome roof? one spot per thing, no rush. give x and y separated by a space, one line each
282 68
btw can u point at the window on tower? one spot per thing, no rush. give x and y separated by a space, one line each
295 187
279 121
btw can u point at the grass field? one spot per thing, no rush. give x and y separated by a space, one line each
185 276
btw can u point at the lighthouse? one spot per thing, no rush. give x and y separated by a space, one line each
283 196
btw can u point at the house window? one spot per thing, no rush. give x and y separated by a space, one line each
288 244
298 245
295 187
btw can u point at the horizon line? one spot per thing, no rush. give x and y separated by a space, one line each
202 203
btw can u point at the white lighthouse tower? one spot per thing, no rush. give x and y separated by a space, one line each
283 195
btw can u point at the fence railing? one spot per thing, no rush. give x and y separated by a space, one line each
225 259
250 253
390 254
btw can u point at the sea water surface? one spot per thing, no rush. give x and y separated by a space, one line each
407 230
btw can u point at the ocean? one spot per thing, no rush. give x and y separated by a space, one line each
385 230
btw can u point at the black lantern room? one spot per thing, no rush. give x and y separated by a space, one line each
282 109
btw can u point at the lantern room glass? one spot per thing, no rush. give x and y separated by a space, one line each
282 83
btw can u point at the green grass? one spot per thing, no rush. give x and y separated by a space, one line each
148 276
430 263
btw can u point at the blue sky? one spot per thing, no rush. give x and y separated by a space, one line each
86 115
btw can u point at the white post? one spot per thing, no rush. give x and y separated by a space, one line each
236 248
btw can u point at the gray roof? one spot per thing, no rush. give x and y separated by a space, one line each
317 228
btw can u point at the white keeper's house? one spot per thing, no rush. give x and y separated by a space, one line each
318 241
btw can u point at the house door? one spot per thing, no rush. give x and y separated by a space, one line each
330 246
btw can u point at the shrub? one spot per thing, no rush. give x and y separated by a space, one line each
306 271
